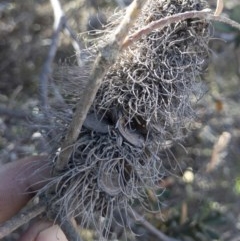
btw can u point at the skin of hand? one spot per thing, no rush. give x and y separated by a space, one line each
43 231
19 182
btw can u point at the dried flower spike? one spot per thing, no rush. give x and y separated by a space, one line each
144 104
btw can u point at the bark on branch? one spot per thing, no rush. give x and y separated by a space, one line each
106 57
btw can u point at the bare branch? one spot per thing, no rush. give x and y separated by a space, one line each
131 15
161 236
163 22
106 57
47 68
75 43
219 8
58 13
24 216
60 23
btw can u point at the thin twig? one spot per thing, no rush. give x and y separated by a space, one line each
75 43
60 23
219 8
161 236
24 216
163 22
47 68
106 57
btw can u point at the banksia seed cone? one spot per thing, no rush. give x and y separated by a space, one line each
144 103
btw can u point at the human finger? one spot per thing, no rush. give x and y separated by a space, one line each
33 231
53 233
43 231
18 182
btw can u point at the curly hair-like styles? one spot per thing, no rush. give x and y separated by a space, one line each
144 105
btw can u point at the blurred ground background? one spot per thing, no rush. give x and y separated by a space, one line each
201 202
